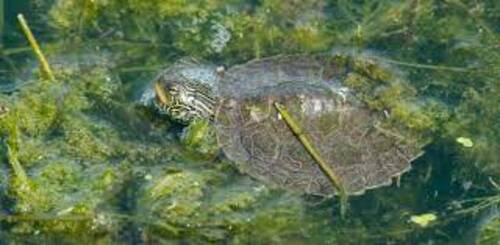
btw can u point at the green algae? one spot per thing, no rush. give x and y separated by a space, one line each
199 138
490 232
96 165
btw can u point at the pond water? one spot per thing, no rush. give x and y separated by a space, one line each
82 160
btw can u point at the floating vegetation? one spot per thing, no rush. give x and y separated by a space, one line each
466 142
423 219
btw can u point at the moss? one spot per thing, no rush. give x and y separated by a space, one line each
46 118
372 70
200 139
480 128
357 82
383 89
176 198
86 11
37 112
81 140
309 38
276 223
490 232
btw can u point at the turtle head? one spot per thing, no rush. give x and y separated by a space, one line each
184 101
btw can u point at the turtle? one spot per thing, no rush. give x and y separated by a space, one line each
240 102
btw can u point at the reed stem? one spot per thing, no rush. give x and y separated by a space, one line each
312 150
36 48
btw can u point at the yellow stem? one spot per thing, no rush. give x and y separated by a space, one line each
327 169
36 48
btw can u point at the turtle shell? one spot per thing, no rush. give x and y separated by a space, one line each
351 137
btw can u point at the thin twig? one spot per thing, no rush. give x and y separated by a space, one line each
14 51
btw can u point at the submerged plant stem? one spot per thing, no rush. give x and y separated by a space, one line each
311 149
12 150
36 48
16 165
424 66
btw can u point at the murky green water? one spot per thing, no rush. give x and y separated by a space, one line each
82 161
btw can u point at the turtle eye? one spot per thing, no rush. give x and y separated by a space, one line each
163 96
